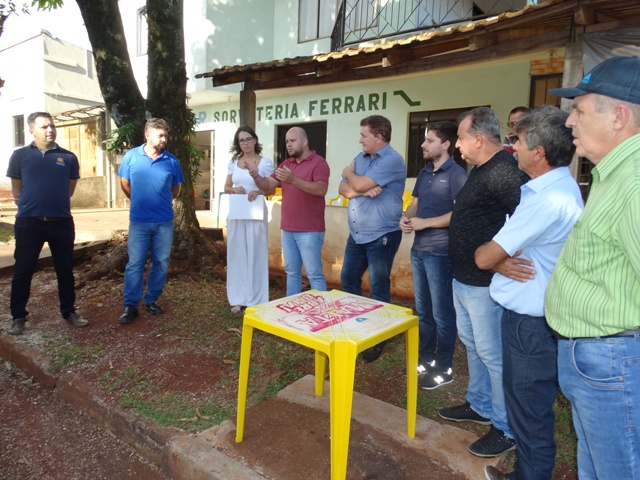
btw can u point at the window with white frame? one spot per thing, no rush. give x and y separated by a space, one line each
143 31
18 131
316 18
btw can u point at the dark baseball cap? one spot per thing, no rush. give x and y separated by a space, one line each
617 77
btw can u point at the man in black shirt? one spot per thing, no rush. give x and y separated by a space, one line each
482 206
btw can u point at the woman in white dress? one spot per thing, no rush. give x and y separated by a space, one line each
247 240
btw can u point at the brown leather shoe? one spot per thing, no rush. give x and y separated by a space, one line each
76 320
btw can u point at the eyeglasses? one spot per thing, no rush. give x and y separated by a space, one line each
512 124
246 140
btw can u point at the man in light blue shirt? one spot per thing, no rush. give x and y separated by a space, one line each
524 253
374 185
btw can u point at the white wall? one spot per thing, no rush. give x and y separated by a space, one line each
128 12
286 33
58 77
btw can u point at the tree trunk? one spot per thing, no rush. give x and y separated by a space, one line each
166 98
113 64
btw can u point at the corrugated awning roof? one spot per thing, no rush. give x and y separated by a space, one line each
535 27
80 114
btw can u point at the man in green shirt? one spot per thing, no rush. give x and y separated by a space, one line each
593 297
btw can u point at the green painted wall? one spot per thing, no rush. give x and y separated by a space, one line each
500 85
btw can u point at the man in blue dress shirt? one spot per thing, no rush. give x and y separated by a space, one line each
524 253
374 185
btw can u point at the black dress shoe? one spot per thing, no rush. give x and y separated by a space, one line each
371 354
153 308
130 313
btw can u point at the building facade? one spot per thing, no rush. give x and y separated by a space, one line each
326 64
42 72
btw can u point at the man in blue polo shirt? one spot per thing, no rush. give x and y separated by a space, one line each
151 178
524 253
374 184
43 179
428 216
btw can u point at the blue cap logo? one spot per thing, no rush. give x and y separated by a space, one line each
586 78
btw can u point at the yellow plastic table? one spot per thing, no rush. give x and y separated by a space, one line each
338 326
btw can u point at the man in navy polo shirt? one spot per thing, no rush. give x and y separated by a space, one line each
43 179
428 216
151 178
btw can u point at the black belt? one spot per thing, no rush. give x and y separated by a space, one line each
51 219
623 333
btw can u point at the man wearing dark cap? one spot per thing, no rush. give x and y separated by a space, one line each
593 297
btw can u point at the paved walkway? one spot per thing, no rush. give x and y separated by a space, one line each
91 225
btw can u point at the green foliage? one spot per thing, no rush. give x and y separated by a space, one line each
129 135
195 155
124 138
9 7
46 4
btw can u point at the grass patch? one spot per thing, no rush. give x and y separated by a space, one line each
66 353
131 384
179 410
168 409
6 234
565 434
391 361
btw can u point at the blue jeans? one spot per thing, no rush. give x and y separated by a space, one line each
530 373
433 291
144 237
378 257
478 318
601 379
303 248
31 233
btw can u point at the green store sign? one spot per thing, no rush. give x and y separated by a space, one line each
313 108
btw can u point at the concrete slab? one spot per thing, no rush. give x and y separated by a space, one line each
443 443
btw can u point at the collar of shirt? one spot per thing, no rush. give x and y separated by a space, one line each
309 157
444 167
379 154
33 145
617 156
543 181
162 155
